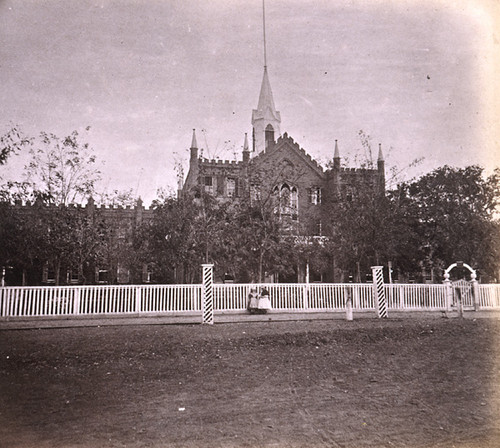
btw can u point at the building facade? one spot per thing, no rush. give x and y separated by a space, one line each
274 164
66 245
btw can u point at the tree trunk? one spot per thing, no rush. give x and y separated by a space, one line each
261 262
58 271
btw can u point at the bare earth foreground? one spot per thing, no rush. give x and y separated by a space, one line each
429 382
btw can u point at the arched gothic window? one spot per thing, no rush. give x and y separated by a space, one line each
286 200
269 136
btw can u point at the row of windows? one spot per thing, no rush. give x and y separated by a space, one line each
102 276
230 184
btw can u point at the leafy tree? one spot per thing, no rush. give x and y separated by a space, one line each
60 170
119 198
255 243
184 233
11 143
456 209
72 239
353 227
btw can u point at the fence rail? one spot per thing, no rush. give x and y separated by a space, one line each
45 301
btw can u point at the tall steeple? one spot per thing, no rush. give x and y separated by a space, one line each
266 119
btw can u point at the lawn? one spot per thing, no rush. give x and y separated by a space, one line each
413 382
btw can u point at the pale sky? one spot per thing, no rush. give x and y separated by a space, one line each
421 77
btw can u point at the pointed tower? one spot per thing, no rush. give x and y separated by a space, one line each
194 147
381 168
336 157
246 150
266 119
194 169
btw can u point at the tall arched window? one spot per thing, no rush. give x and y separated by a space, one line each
286 200
269 136
294 202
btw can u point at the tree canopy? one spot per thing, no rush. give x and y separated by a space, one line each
447 215
59 171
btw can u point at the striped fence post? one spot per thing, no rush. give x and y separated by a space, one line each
207 295
379 291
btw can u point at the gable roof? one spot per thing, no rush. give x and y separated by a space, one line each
286 145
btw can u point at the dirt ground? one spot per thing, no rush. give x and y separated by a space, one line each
423 382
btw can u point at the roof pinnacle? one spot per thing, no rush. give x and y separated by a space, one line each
194 144
336 154
380 154
245 144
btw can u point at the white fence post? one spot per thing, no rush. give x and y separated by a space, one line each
355 297
305 293
207 295
76 302
449 291
379 291
348 311
138 299
475 291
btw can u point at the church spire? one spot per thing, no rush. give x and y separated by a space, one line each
266 99
266 119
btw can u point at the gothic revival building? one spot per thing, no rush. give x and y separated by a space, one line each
276 165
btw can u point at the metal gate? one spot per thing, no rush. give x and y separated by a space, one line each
463 293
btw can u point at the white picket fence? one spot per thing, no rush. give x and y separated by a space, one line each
47 301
